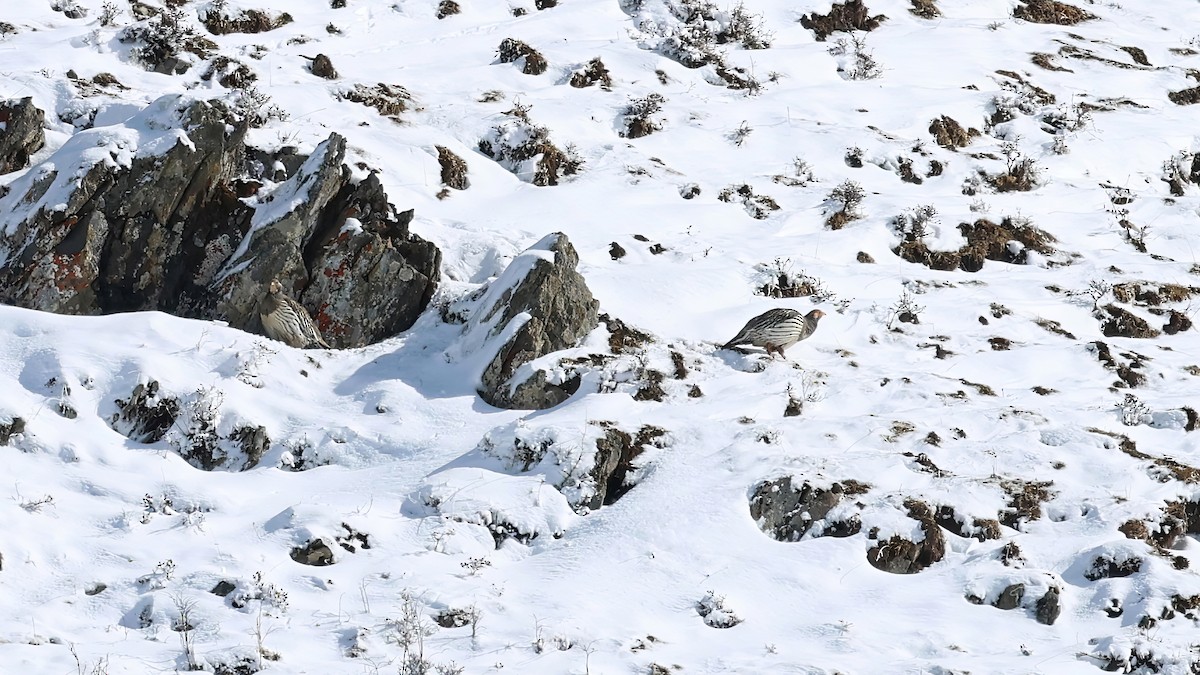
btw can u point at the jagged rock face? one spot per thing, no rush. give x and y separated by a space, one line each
557 309
21 133
199 243
371 278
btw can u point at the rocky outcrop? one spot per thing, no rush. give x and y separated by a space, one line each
11 428
787 512
82 234
539 305
145 416
371 277
616 453
901 555
21 133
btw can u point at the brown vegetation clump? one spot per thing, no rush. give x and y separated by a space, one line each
592 73
926 9
758 206
1150 294
230 73
1025 499
510 51
1185 97
448 8
454 169
389 99
1123 323
518 140
248 21
1050 11
950 134
985 241
846 17
322 66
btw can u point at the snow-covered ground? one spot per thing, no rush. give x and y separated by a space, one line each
111 549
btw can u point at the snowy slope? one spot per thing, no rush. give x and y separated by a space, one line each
106 540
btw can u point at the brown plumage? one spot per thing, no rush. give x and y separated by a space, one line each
286 320
776 329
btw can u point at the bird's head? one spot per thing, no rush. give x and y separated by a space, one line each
816 314
275 287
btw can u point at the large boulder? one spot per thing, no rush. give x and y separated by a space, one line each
538 305
21 133
167 213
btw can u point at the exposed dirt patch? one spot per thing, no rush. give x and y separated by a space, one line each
845 17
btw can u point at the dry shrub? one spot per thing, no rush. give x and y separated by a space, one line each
229 72
846 17
1123 323
950 134
594 72
1051 11
511 50
248 21
159 41
758 206
448 8
926 9
640 115
985 241
454 169
517 141
389 99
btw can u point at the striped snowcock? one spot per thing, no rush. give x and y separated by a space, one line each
286 320
776 329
